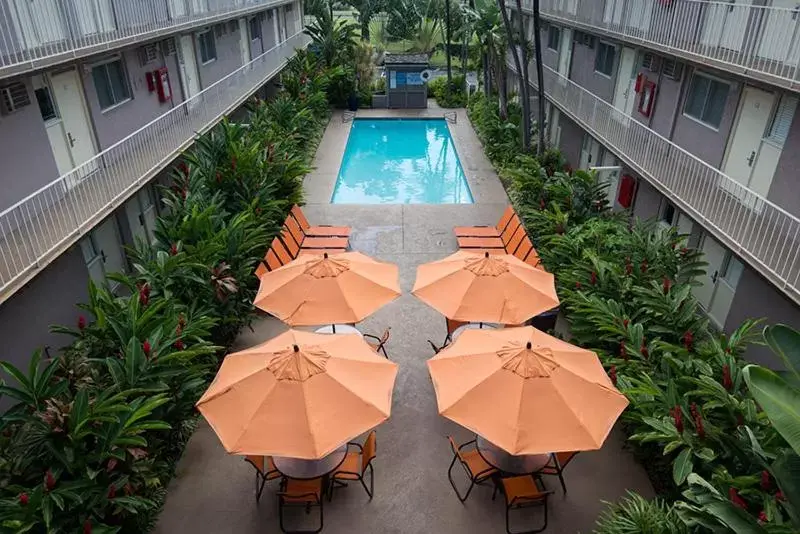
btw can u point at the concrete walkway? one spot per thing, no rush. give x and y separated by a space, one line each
213 492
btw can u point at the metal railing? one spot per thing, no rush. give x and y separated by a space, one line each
41 226
38 33
756 229
753 40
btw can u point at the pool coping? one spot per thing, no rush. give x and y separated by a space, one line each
451 140
481 177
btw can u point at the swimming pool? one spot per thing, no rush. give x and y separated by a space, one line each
401 161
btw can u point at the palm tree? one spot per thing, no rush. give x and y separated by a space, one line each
334 39
367 9
519 47
488 26
448 35
537 37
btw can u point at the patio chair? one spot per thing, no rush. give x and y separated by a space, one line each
289 245
522 492
514 242
320 251
545 321
265 471
355 466
270 262
378 344
492 242
436 349
558 462
473 463
486 231
304 241
319 230
296 493
452 326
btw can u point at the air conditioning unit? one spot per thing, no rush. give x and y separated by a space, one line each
147 54
650 61
673 69
168 46
13 97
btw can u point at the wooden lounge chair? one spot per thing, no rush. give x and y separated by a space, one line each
265 471
304 241
355 466
320 251
277 256
320 230
492 242
555 467
473 463
305 493
378 344
486 231
522 492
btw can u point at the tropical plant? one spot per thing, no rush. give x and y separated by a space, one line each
634 514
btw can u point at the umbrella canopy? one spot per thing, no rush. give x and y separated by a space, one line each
525 391
299 395
316 290
490 289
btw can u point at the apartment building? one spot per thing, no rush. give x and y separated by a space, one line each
688 109
97 98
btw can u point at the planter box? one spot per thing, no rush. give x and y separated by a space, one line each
380 101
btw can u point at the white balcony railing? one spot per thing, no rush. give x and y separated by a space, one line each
41 226
762 233
38 33
753 40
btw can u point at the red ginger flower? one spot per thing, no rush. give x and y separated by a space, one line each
779 496
81 322
766 483
667 284
612 374
645 352
146 348
178 345
643 266
112 491
173 250
622 351
144 294
628 267
233 163
593 278
23 499
727 381
688 339
762 516
577 285
49 481
733 495
701 429
677 418
625 323
87 527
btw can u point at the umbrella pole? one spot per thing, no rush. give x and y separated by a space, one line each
333 326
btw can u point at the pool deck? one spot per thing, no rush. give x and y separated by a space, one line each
213 492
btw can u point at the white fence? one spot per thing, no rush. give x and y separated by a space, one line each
36 33
39 227
758 230
759 41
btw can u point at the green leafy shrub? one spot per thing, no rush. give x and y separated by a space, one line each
636 515
456 97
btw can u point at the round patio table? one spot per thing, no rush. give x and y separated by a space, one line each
340 329
310 469
525 464
473 326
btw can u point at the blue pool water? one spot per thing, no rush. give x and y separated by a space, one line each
401 161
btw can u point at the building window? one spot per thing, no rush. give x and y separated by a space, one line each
668 214
706 100
553 38
782 120
604 60
208 48
732 272
255 28
46 105
111 83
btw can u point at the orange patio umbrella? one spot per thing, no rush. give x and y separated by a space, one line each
525 391
485 288
300 395
317 290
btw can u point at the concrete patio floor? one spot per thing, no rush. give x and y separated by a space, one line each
213 492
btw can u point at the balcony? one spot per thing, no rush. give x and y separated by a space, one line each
38 33
757 230
43 225
761 42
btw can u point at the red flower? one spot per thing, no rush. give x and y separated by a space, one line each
233 163
577 285
644 351
112 463
739 420
762 516
49 481
727 382
673 246
184 191
219 177
568 169
694 410
622 351
677 418
688 339
270 152
178 345
173 250
184 168
628 267
112 491
146 348
643 266
23 499
593 278
541 204
128 489
81 322
87 527
667 284
701 430
684 251
625 323
779 496
144 294
733 495
181 321
766 483
612 374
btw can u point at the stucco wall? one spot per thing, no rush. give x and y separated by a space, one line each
647 200
668 93
571 140
703 141
26 159
229 57
785 188
117 122
582 71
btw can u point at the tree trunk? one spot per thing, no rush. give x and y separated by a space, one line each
526 94
365 28
512 41
447 44
539 73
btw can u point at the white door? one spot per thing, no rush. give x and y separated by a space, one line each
141 213
719 283
610 177
625 93
714 254
780 33
94 16
555 127
612 13
37 22
190 77
53 124
725 24
741 161
102 252
177 8
68 96
590 152
245 39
